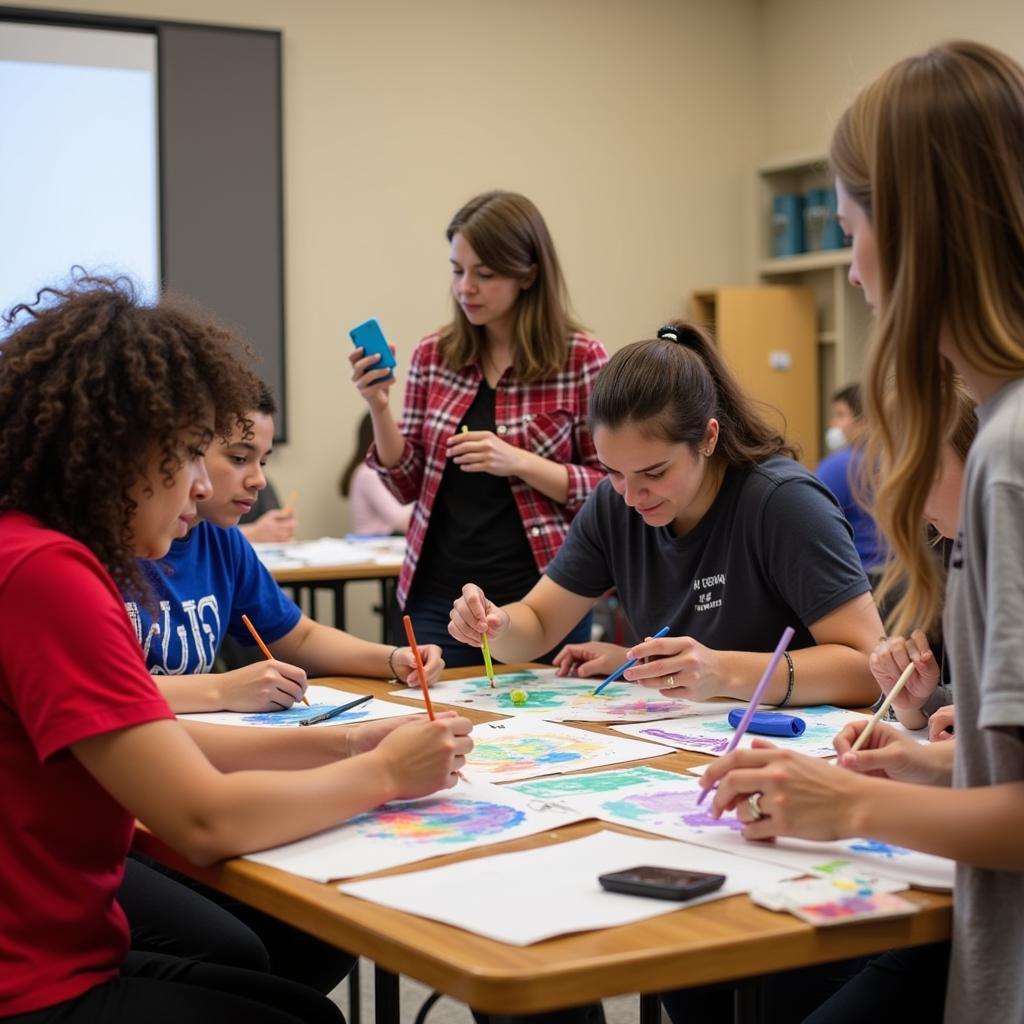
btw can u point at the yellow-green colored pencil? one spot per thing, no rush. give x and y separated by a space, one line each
487 658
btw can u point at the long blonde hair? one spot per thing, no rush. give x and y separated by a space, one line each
509 235
933 151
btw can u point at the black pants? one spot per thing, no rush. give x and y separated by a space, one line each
158 989
783 998
903 986
171 913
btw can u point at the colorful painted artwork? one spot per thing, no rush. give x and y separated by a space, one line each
559 699
656 801
712 734
617 780
443 819
321 699
521 748
842 858
470 815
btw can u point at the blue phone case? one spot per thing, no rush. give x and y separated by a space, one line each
769 723
370 338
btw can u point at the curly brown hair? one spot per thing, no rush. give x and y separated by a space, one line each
91 383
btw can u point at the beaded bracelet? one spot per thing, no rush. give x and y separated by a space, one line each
792 679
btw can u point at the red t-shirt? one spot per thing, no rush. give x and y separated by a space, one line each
70 668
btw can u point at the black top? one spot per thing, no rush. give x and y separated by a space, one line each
774 550
475 533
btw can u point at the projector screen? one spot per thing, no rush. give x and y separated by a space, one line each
79 178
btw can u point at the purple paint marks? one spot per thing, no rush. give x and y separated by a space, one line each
678 739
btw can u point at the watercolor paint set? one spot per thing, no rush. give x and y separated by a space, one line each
840 900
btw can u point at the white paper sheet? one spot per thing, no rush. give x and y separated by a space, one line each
321 698
712 734
328 551
559 699
645 798
525 897
843 857
521 748
665 803
470 815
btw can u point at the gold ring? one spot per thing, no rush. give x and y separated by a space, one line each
754 803
671 680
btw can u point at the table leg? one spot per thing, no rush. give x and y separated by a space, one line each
650 1008
747 1006
355 1012
385 996
339 603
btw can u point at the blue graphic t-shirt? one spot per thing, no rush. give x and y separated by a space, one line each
208 580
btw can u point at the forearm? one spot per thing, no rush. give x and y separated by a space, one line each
254 810
824 674
550 478
192 693
323 651
524 639
387 437
967 825
232 749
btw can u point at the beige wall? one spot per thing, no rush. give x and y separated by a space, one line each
609 115
816 54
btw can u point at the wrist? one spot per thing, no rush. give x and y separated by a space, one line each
384 774
911 718
858 806
391 663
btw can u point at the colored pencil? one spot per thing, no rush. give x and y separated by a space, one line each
411 637
627 664
883 707
263 647
289 505
755 698
488 665
326 716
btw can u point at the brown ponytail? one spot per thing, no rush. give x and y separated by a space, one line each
673 385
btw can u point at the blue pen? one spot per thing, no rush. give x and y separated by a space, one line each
629 664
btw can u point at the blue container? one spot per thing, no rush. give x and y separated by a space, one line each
821 229
787 225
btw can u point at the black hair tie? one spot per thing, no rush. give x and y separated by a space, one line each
670 333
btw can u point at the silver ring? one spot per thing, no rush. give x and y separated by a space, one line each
671 680
754 803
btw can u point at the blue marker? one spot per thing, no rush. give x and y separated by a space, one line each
629 664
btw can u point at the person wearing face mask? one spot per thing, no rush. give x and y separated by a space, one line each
839 471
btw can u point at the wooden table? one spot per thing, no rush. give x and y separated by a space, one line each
333 578
726 940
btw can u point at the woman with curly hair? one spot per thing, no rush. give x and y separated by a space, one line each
106 410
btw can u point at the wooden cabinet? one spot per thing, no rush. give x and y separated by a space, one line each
768 335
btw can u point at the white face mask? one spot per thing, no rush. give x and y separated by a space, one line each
834 438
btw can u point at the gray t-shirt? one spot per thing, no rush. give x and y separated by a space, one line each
774 550
984 631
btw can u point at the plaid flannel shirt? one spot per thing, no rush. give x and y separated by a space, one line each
547 417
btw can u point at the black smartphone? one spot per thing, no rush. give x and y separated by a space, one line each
661 883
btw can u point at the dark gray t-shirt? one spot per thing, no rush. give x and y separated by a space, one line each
983 627
774 550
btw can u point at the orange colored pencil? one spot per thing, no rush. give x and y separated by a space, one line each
411 637
289 505
263 647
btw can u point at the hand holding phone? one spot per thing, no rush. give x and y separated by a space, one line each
370 338
661 883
